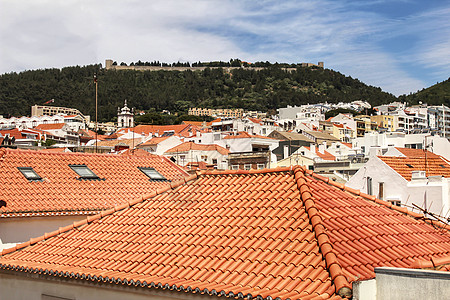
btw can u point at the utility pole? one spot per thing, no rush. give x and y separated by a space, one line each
96 110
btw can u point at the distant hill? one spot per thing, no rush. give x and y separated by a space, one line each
263 89
435 95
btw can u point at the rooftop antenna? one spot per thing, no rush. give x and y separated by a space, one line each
96 110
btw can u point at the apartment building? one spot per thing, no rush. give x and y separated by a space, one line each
42 110
439 119
225 113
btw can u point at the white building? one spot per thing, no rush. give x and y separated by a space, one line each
383 141
439 119
345 119
75 122
159 145
414 179
190 152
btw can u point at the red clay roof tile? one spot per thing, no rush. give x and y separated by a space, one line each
246 135
310 243
52 126
61 190
201 147
433 165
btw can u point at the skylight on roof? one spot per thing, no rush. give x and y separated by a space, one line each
152 174
29 173
409 165
442 166
84 172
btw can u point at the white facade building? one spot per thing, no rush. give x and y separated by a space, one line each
383 141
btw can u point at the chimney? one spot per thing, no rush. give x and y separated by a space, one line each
312 147
322 147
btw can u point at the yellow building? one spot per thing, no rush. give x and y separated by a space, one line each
364 124
343 133
390 123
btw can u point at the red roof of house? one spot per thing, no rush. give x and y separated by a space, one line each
53 126
56 150
416 153
433 166
196 123
63 192
341 126
325 155
12 133
201 147
155 141
286 233
246 135
182 129
136 152
199 165
254 120
347 144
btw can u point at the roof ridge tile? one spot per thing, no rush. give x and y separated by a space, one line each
342 286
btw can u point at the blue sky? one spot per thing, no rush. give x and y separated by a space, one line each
399 45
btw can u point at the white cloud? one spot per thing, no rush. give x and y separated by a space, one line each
42 34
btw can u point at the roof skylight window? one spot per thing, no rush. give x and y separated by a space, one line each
409 165
84 172
29 173
442 166
152 174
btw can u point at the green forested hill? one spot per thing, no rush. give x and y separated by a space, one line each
176 91
435 95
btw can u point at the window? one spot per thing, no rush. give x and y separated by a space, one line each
381 190
152 174
214 161
260 166
395 202
84 172
235 167
247 166
29 173
204 157
369 185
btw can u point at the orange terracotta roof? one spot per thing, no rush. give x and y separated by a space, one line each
246 135
325 155
155 141
199 165
348 145
254 120
416 153
62 191
56 150
286 233
53 126
341 126
434 166
201 147
12 133
137 152
196 123
113 143
153 129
